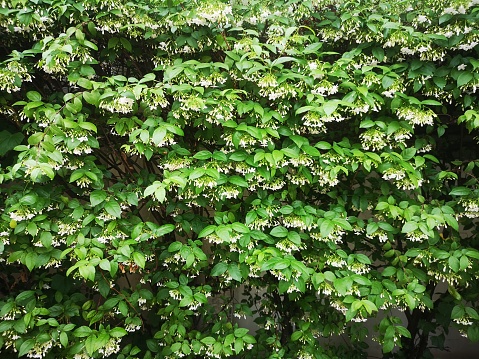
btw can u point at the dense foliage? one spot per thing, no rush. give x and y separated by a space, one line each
170 166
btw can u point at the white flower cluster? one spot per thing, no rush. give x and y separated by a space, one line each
397 86
154 98
107 24
5 237
463 321
335 236
373 139
13 313
259 17
10 337
104 5
400 136
270 88
380 234
58 61
119 104
471 87
325 87
282 276
301 160
443 276
108 236
221 112
297 179
22 214
212 13
326 178
371 79
132 327
274 184
408 184
336 261
228 192
401 179
397 37
190 106
40 350
111 347
313 123
394 173
358 268
295 221
81 355
416 236
246 141
416 116
211 81
460 7
471 208
66 229
325 288
175 163
12 75
286 246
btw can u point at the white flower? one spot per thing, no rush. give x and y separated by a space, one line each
422 19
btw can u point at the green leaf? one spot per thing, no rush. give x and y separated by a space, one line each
378 53
369 306
207 231
241 332
26 346
87 272
64 339
409 227
113 208
473 333
82 332
158 135
118 332
464 78
8 141
454 263
35 138
330 106
310 150
30 260
34 96
460 191
139 259
97 197
208 340
85 83
91 344
88 126
32 229
93 97
238 181
172 72
326 227
235 273
279 231
203 155
342 285
24 297
219 269
238 345
389 271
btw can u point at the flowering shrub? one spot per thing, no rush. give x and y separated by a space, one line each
168 167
